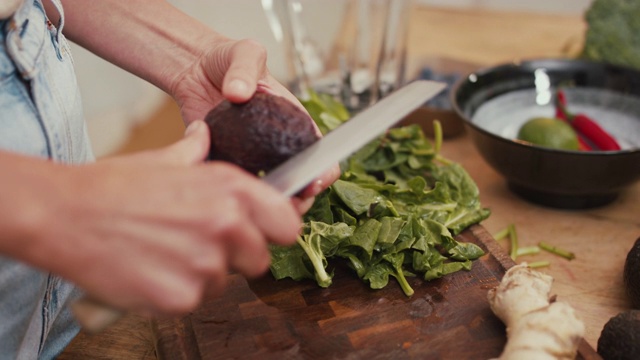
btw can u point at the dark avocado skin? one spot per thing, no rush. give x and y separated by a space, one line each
620 337
632 275
260 134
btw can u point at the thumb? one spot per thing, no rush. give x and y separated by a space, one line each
236 67
191 149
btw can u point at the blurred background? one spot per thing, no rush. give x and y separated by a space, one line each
120 107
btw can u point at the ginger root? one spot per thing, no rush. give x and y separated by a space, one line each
538 327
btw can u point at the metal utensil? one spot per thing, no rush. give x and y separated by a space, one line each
296 173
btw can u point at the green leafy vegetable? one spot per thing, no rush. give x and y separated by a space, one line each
327 112
308 259
394 212
466 251
390 264
612 32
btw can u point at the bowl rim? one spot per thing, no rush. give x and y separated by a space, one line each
530 62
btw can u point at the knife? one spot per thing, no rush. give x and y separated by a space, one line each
297 172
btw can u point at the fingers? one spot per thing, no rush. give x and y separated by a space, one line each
302 204
246 65
271 212
253 219
249 214
321 183
190 150
250 256
272 86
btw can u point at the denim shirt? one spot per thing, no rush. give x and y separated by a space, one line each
40 105
40 115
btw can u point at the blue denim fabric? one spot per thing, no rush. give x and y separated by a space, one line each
40 115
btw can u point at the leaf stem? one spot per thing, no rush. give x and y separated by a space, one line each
323 279
501 234
402 280
538 264
556 250
529 250
437 134
437 143
514 241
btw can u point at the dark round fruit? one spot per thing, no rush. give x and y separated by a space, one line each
620 337
632 274
260 134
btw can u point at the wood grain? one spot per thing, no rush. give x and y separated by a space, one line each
269 319
600 239
129 338
488 37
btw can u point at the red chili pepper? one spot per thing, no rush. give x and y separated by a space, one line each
585 126
591 130
561 103
583 145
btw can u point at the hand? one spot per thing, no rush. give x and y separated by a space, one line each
235 70
182 56
151 232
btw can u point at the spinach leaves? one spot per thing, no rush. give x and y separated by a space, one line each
394 212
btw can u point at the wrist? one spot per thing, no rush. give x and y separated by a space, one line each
28 184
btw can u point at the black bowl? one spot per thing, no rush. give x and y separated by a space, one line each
495 102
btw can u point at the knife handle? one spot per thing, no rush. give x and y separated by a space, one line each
94 316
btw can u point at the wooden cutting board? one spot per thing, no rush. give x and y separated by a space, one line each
448 318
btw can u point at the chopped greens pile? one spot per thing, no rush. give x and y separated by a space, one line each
393 212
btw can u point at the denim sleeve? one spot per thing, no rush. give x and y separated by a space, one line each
40 115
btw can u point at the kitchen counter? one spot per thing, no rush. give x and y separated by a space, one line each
600 238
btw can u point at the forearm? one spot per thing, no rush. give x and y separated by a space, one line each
151 39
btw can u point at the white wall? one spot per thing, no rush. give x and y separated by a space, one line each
115 100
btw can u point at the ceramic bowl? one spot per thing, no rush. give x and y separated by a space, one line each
495 102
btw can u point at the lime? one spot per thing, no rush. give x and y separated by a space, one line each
549 132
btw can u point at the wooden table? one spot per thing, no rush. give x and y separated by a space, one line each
600 238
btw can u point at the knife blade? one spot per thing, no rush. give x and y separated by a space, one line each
297 172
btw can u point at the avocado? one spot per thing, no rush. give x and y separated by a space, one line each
620 337
632 275
260 134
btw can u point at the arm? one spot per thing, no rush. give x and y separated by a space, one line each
146 38
148 232
8 7
180 55
175 52
24 181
